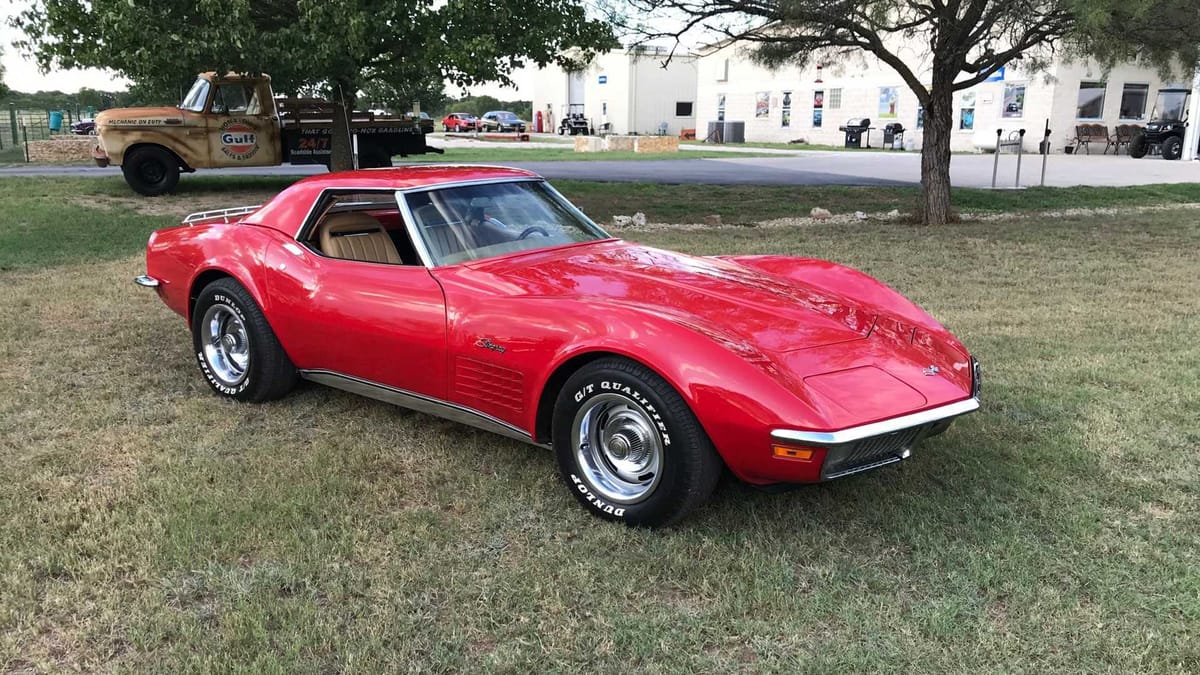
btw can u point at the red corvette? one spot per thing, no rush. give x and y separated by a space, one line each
482 295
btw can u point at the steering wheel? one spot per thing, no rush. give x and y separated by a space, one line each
530 230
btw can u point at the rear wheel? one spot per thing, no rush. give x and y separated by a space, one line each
236 349
373 158
151 171
1172 147
628 446
1138 146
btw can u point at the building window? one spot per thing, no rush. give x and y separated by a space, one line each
762 104
1133 101
835 99
683 108
1090 105
966 111
785 119
720 107
1014 102
920 117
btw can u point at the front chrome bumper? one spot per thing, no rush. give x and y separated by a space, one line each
870 446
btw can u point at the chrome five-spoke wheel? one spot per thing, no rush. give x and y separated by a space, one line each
226 344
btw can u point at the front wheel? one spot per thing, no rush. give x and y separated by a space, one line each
1138 146
1172 147
628 446
237 351
151 170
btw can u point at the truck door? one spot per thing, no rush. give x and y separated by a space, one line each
242 129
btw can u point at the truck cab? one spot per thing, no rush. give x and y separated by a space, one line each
222 121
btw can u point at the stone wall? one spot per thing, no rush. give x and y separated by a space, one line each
72 149
627 144
656 144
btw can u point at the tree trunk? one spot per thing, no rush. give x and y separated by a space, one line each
935 157
341 157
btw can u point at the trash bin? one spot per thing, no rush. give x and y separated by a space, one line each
854 129
893 136
56 120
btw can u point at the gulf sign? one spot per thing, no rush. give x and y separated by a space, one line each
238 140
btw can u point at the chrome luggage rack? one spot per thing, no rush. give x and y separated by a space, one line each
226 214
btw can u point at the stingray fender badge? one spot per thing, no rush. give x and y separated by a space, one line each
486 343
931 371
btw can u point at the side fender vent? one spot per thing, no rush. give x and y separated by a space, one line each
489 387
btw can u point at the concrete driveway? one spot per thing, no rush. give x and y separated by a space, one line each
793 168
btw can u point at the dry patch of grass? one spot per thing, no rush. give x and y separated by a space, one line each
149 525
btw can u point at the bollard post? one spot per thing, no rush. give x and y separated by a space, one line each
996 164
1046 154
1020 151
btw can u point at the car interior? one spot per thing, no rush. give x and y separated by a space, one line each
363 227
456 225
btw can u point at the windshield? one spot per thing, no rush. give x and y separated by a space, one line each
1170 105
196 96
473 222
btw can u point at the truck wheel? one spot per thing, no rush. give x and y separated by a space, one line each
151 171
374 158
1172 147
1138 146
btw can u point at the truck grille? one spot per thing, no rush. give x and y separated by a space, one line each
869 453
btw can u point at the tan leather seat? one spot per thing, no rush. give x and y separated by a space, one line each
357 236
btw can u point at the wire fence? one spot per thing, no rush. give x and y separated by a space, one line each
22 126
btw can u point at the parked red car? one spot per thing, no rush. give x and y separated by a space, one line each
460 122
482 295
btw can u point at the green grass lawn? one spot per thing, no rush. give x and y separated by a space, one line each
102 219
148 525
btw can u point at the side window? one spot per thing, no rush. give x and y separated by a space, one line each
362 227
235 99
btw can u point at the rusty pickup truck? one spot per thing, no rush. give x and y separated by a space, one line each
235 120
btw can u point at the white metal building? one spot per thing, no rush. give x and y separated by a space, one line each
811 103
627 89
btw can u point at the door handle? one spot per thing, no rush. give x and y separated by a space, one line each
196 132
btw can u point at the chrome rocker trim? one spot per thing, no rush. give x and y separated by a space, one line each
420 403
146 280
852 434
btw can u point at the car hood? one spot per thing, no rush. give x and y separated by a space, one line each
712 295
147 115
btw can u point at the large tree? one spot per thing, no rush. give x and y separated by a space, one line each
966 41
334 47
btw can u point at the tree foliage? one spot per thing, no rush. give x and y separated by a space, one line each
333 47
963 43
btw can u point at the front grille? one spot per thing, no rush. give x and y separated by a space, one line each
868 453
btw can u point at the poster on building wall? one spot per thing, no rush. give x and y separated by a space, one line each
889 102
1014 100
785 119
818 108
762 104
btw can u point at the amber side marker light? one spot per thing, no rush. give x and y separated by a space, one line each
790 452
